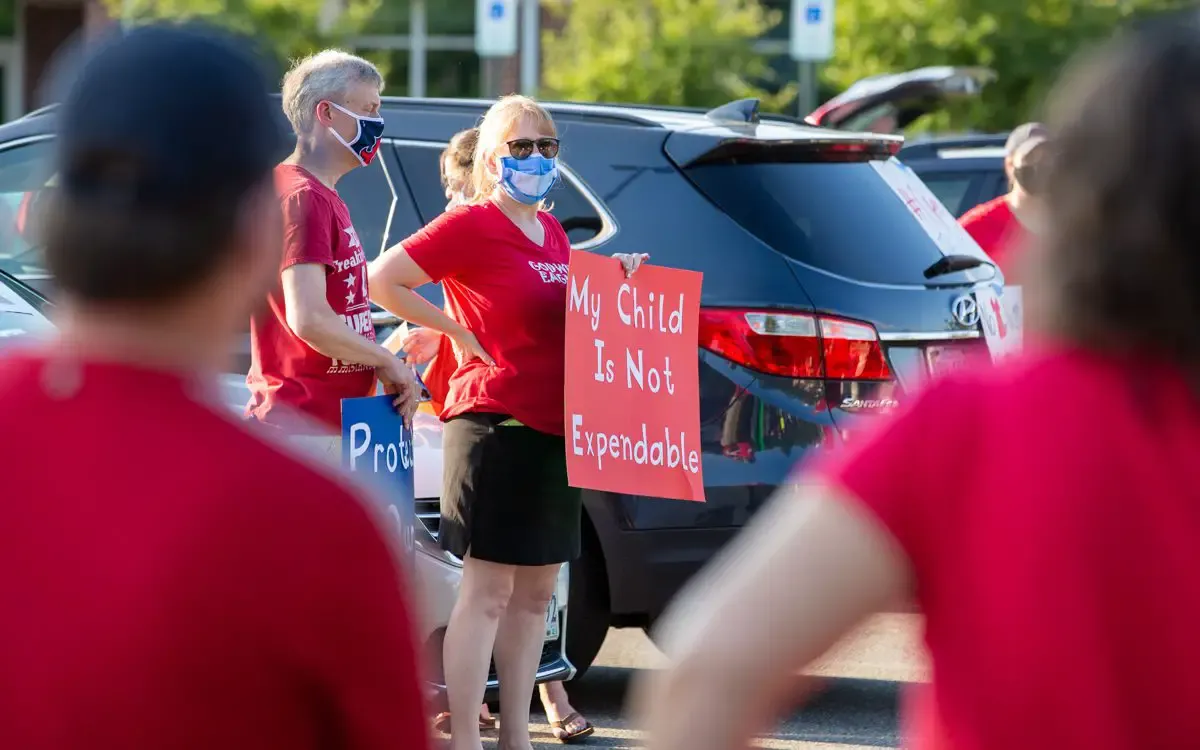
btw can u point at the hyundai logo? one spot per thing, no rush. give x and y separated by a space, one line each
966 311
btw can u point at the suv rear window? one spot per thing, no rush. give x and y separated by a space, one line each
843 218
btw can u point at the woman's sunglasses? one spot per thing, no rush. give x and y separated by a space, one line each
522 148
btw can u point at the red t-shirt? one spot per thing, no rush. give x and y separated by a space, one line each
285 370
512 295
1053 526
996 229
170 579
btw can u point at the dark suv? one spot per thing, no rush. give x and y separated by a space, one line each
824 300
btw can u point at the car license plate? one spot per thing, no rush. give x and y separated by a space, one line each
552 619
944 359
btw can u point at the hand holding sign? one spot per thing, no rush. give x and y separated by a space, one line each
400 383
631 262
631 340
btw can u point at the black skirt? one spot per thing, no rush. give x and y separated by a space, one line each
505 495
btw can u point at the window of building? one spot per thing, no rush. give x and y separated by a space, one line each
391 18
8 19
450 17
452 73
783 29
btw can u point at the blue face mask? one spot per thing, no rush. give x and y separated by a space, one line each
366 141
528 180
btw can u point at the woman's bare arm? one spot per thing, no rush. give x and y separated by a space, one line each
393 276
811 565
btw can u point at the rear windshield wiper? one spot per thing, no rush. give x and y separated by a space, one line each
953 263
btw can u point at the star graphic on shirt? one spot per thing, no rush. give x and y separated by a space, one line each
350 280
350 297
353 235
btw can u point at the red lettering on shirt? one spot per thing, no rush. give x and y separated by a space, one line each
284 369
512 294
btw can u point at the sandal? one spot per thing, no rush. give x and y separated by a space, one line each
559 728
441 722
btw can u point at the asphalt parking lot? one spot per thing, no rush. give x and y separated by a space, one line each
856 709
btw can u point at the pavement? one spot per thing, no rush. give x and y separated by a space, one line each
857 707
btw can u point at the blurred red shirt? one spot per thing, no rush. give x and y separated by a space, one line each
284 369
171 580
996 229
1050 508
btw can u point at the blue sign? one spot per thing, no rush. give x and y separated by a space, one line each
376 443
812 30
497 11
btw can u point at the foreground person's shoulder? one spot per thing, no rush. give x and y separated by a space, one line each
295 476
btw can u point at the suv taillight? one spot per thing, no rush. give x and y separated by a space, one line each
794 345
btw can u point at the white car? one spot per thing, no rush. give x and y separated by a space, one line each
437 575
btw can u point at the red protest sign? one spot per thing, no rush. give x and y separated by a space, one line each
632 382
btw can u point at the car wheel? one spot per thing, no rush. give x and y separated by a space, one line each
588 614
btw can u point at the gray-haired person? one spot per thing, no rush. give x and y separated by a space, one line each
314 344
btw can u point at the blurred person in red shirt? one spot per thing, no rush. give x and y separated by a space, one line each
1003 226
170 578
1058 569
314 345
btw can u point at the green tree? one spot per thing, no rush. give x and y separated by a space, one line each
672 52
1026 43
286 29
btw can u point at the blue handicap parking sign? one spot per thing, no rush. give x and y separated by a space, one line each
497 10
377 444
812 13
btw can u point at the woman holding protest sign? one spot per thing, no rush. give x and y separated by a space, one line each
425 345
507 508
1077 544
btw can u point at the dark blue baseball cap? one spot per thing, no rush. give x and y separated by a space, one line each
166 117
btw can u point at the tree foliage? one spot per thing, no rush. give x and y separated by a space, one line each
671 52
1026 43
286 29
